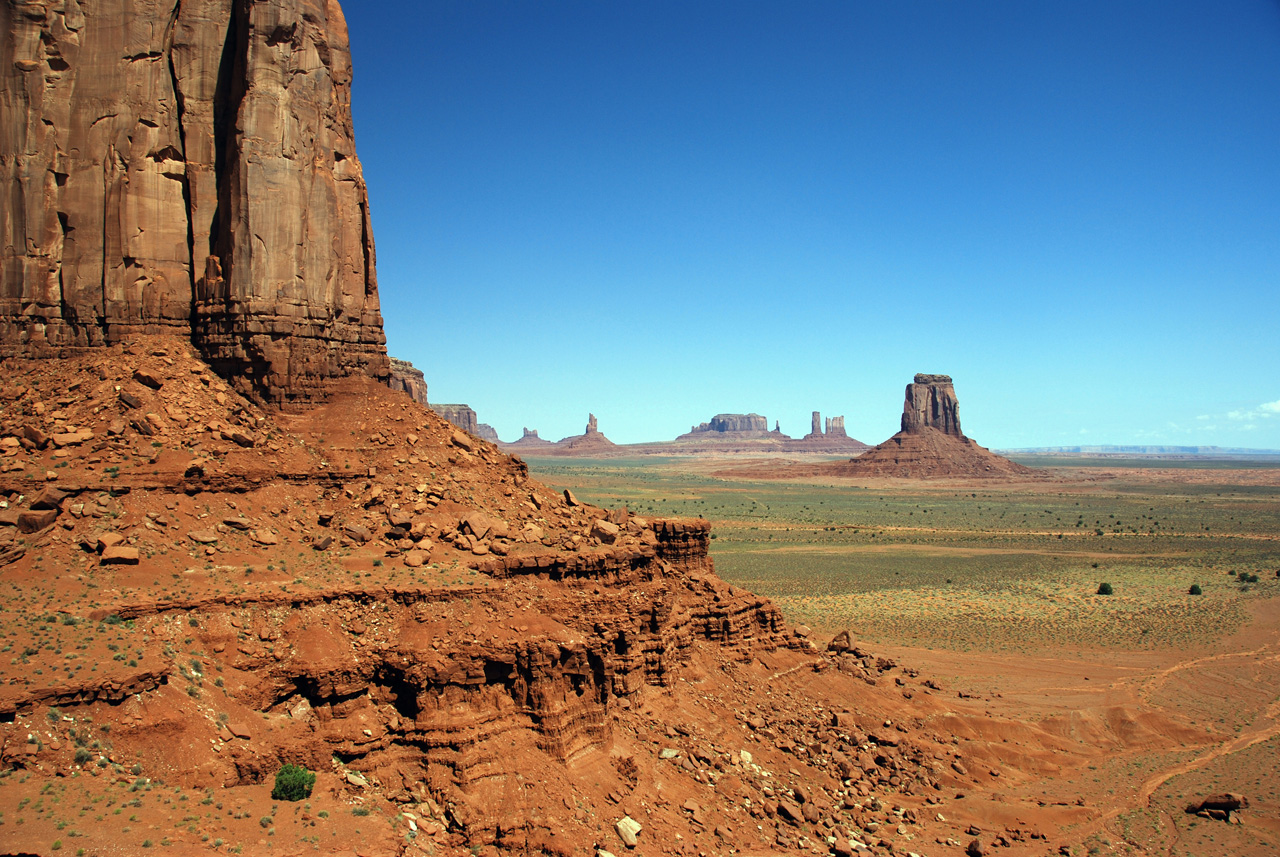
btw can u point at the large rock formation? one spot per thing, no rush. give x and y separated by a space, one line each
405 376
589 442
738 425
930 443
528 442
187 167
461 416
829 436
931 403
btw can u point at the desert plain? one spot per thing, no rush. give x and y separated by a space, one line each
1126 707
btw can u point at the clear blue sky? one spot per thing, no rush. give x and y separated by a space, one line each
660 211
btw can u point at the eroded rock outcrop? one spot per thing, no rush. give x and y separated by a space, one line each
725 424
931 403
407 377
461 416
930 443
187 168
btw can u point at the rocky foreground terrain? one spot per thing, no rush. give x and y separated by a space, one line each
227 545
198 590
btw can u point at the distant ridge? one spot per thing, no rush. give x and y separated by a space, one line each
1203 451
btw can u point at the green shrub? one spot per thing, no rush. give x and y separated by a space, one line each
1104 589
1194 590
293 783
82 756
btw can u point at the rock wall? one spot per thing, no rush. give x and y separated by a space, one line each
460 415
835 427
187 167
408 378
931 403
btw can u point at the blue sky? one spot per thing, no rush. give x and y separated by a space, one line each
659 211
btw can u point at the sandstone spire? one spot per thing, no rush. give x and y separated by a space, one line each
930 443
931 402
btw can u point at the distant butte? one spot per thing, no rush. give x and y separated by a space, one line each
930 444
591 440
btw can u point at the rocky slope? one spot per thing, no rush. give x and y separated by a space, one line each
200 590
187 168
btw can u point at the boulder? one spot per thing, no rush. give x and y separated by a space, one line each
35 520
120 555
605 531
628 829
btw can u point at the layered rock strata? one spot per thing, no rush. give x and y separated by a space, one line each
187 168
931 403
734 425
408 378
461 416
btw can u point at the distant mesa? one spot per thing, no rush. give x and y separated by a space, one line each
405 376
464 418
737 426
931 443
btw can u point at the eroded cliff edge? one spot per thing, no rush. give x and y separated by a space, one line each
187 167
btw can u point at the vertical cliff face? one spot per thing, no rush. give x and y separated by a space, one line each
931 403
407 377
187 166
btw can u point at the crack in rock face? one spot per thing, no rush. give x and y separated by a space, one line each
139 143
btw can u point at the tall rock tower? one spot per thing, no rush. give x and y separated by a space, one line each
931 402
187 168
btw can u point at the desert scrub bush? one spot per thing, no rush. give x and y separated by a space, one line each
1195 589
293 783
1104 589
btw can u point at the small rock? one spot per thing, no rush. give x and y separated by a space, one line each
203 537
147 379
357 533
120 555
628 829
36 520
108 540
